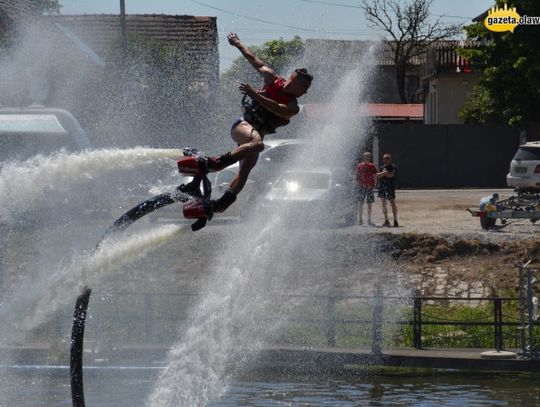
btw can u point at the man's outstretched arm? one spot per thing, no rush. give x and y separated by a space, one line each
267 73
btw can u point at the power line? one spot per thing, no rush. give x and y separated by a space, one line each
336 31
253 18
328 3
294 28
449 16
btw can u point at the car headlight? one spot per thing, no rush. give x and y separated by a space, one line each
292 186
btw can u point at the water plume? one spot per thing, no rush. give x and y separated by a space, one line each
35 301
22 184
198 363
262 262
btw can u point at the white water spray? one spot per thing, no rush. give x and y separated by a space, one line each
254 267
36 301
197 370
22 184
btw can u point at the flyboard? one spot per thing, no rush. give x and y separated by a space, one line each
197 205
196 199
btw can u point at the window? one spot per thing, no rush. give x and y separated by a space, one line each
25 133
281 154
30 123
528 153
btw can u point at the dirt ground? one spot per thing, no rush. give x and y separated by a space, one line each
438 239
442 212
439 249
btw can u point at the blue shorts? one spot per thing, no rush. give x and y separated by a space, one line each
237 122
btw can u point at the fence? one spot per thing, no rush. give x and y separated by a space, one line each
449 156
376 321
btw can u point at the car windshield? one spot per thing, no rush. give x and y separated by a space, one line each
30 123
283 154
21 146
528 153
26 133
304 180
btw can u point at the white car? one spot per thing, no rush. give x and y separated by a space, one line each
524 172
25 132
316 197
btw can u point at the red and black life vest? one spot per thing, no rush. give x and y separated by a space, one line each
258 116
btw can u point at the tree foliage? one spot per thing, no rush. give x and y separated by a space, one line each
278 54
48 6
410 29
509 91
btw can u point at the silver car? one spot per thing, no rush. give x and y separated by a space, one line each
524 172
318 196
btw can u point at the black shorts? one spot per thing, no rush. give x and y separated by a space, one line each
387 193
366 194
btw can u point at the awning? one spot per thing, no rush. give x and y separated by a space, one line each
390 111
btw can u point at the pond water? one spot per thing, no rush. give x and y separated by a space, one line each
49 386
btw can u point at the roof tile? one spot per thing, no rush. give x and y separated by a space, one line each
197 36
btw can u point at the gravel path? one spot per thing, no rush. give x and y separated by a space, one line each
444 212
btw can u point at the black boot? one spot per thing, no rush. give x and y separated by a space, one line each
218 163
226 200
192 188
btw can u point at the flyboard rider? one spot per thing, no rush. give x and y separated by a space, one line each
270 107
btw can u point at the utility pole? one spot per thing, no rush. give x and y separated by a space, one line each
123 22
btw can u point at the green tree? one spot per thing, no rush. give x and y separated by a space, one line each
410 30
509 90
48 6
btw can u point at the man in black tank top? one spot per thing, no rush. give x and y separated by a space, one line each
387 188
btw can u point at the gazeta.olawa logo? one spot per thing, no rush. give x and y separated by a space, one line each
507 19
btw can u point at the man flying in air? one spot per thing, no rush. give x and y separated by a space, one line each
271 107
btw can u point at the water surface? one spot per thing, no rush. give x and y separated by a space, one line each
131 387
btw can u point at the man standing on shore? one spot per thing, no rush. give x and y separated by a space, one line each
387 188
366 178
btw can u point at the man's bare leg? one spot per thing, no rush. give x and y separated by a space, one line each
246 165
249 140
247 153
360 210
394 210
384 209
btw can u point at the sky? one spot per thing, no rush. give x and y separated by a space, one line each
258 21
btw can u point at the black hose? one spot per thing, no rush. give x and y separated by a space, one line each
77 340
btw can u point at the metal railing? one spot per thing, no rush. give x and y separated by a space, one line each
150 317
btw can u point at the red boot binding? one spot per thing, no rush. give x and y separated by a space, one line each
197 209
192 165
